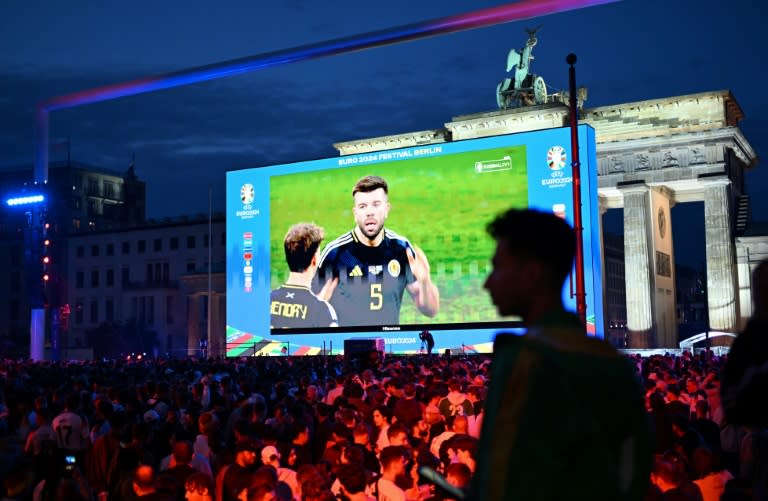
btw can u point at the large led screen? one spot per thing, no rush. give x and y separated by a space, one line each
413 232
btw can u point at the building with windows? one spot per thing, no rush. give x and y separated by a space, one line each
117 282
78 198
145 288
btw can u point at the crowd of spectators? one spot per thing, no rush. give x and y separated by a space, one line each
313 428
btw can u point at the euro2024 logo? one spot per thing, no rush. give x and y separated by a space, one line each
556 158
247 196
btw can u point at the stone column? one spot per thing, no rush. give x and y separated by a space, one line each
637 266
193 325
722 300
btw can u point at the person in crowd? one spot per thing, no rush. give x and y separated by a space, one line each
408 410
394 459
381 418
271 457
353 481
555 394
182 466
231 480
198 487
745 384
671 481
710 477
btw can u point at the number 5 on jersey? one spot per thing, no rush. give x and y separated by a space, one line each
377 298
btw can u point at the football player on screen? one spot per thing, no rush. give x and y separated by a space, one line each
367 269
293 304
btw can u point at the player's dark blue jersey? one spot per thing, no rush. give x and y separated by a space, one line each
371 279
294 306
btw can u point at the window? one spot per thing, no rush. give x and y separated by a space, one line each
94 251
223 239
126 248
142 246
166 272
190 242
94 311
79 280
190 266
80 251
110 249
94 278
109 189
110 278
93 186
109 309
76 223
205 240
125 276
174 243
169 310
150 309
150 274
157 244
79 312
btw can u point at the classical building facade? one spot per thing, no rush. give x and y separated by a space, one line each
651 155
146 288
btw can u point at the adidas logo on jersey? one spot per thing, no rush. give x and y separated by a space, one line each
356 272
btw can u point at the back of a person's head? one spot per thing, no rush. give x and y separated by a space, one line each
305 472
353 477
458 474
208 423
667 471
454 385
315 488
354 453
182 452
265 475
460 424
390 454
200 483
144 478
539 236
260 493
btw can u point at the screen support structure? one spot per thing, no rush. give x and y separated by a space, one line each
578 227
517 11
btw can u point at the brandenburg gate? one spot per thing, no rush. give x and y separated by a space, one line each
651 155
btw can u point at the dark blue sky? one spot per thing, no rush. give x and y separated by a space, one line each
185 139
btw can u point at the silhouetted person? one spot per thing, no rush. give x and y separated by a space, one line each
427 340
745 386
565 417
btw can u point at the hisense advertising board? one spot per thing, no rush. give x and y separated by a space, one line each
431 222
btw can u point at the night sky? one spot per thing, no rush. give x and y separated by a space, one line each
185 139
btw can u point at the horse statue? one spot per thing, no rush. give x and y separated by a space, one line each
525 89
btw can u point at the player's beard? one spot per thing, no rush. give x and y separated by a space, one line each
371 234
